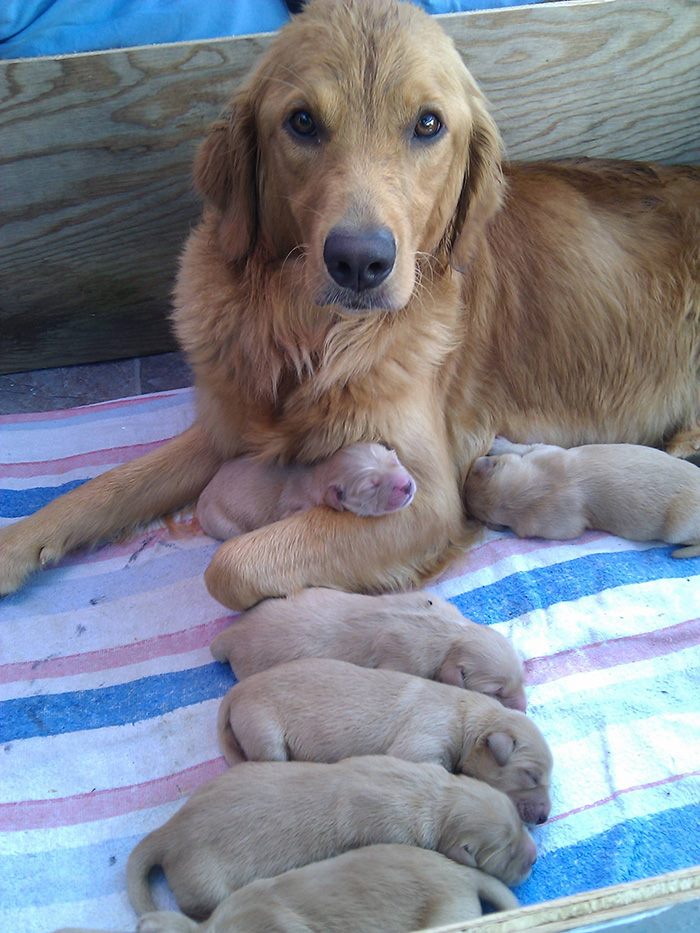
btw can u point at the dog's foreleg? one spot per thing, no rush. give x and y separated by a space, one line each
146 488
323 547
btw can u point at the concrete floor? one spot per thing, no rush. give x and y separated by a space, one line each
68 386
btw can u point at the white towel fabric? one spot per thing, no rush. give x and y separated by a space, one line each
108 693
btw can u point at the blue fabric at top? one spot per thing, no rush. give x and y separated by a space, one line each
56 27
29 28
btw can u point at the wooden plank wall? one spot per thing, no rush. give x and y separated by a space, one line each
587 910
95 150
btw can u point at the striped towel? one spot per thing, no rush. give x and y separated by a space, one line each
108 693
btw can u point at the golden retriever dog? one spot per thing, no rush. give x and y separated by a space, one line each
263 818
391 888
366 479
417 633
543 491
318 709
368 268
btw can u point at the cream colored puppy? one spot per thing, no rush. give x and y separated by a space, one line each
416 633
263 818
367 479
391 888
318 709
541 491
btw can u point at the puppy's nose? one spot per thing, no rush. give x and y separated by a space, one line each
359 260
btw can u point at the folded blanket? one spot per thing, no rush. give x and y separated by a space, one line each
108 693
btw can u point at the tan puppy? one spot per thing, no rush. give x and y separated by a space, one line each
367 479
542 491
263 818
387 888
318 709
417 633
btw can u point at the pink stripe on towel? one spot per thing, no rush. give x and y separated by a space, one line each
670 779
103 804
108 456
200 636
603 654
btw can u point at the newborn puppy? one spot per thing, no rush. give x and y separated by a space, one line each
263 818
542 491
317 709
416 633
391 888
366 479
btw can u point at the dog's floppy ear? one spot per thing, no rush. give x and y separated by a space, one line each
501 746
482 185
225 169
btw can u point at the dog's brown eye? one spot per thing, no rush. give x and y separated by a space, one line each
302 123
427 127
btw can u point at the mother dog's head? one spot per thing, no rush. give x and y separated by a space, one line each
359 147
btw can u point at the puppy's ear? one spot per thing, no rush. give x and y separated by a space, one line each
335 494
225 170
482 186
501 746
451 672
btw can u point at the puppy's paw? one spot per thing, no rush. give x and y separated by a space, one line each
165 921
685 445
501 445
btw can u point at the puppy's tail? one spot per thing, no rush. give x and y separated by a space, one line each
233 753
494 892
143 858
692 550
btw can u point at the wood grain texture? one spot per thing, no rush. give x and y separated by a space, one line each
589 908
95 152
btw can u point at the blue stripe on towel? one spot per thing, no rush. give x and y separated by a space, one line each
634 849
543 587
16 503
56 713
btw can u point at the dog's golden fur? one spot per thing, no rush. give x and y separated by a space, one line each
555 302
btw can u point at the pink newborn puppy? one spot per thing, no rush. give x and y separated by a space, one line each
367 479
542 491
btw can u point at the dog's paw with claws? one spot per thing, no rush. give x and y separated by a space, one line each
20 555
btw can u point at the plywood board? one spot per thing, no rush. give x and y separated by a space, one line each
592 907
95 151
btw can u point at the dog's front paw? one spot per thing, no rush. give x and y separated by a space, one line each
233 579
20 556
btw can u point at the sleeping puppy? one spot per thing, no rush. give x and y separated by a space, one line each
367 479
542 491
391 888
317 709
416 633
263 818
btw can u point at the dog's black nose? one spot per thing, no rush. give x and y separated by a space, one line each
359 260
